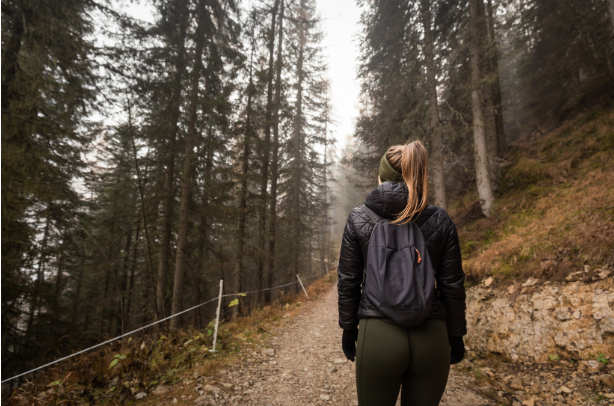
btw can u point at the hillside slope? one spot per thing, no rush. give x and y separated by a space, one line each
554 212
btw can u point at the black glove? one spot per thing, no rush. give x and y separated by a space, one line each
457 349
348 343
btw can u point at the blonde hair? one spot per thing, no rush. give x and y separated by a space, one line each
412 161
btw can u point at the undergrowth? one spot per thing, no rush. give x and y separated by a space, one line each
554 211
113 374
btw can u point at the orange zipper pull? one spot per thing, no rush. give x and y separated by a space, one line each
419 257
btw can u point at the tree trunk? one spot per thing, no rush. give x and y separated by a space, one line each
274 163
167 203
58 285
298 126
186 181
438 176
487 95
123 285
203 224
149 261
10 53
265 157
78 292
243 195
498 100
40 278
485 192
132 272
323 238
109 265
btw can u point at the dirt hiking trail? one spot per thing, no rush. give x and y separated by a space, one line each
306 366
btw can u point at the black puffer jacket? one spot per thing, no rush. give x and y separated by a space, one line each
442 244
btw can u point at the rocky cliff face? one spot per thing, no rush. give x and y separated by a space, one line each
533 321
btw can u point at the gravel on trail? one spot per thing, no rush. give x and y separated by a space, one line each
305 366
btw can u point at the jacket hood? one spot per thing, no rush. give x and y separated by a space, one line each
388 200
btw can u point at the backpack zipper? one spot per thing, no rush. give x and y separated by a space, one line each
417 276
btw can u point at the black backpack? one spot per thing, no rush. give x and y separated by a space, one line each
400 280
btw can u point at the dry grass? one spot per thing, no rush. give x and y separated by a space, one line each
159 358
554 211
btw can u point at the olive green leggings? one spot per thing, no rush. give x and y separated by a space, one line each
390 357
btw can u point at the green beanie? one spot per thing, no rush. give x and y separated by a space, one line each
387 172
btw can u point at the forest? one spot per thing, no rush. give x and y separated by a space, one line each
143 161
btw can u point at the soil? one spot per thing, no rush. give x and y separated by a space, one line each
305 366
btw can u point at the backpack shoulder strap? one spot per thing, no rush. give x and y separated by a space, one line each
372 215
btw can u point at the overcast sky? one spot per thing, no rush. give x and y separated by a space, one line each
340 26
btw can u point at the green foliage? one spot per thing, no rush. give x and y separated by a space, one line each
554 357
116 359
601 358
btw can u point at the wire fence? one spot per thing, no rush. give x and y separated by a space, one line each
218 298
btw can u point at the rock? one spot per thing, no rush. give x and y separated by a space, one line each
160 390
590 366
607 380
529 402
516 383
140 395
574 277
488 281
273 362
564 389
530 282
562 314
202 400
339 361
236 399
521 396
268 351
604 273
331 370
529 327
324 397
465 363
211 388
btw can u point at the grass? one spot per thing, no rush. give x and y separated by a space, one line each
113 374
554 209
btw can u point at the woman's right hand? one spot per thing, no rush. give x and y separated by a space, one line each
457 349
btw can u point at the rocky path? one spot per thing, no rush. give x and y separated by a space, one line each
305 366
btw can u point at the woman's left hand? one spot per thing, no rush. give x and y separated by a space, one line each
348 343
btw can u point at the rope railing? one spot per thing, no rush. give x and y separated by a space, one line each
219 299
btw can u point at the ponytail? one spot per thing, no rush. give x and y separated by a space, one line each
411 160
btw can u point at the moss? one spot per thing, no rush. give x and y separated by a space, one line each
468 248
525 173
586 118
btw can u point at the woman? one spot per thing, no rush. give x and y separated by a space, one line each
391 357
